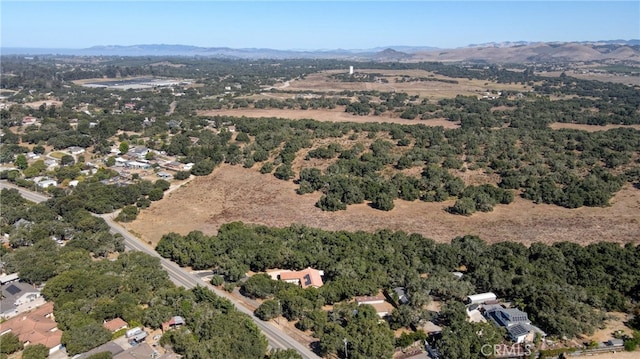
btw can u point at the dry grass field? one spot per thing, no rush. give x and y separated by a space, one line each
233 193
335 115
589 128
432 90
604 77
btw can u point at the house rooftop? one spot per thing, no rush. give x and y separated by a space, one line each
35 327
308 277
370 299
115 324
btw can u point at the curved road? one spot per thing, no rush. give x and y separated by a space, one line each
181 277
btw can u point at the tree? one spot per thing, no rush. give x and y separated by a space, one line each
67 160
79 339
284 172
155 194
182 175
10 343
465 206
21 162
162 184
127 214
111 161
35 351
203 168
269 309
383 201
124 147
38 149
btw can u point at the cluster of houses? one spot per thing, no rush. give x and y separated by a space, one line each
25 313
136 159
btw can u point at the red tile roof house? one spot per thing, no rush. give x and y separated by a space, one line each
35 327
114 325
305 278
29 120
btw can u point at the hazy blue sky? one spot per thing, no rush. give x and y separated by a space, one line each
311 24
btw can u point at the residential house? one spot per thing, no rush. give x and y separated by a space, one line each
174 166
47 183
144 350
121 162
305 278
138 165
21 223
110 347
51 164
75 150
515 321
401 294
115 324
29 120
174 322
378 303
138 152
377 299
18 297
35 327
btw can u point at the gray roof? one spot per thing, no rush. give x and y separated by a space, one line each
508 317
111 347
518 330
11 292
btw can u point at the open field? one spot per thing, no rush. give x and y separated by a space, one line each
432 90
233 193
336 115
589 128
598 76
47 103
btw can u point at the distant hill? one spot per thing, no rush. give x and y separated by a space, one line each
512 52
521 52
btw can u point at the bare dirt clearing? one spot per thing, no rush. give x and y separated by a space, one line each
233 193
324 115
589 128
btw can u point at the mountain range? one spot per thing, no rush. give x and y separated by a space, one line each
505 52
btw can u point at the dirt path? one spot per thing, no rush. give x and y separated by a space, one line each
233 193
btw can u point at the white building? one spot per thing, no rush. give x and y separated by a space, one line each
481 298
47 183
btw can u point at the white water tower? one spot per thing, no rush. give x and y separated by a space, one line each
350 70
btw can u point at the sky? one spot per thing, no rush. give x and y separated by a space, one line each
311 25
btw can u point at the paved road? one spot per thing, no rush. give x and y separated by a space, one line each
181 277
